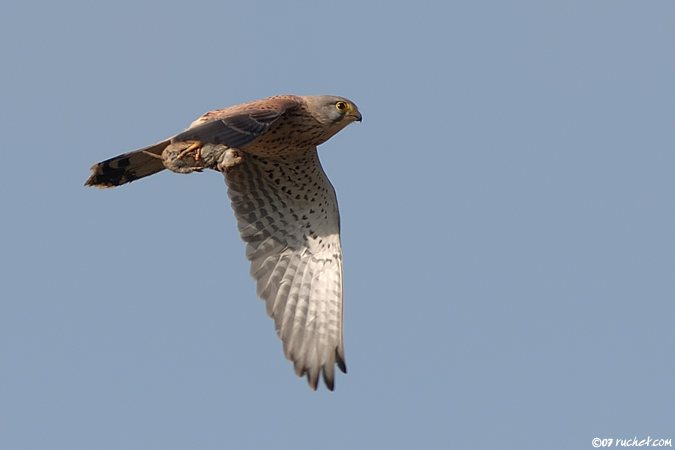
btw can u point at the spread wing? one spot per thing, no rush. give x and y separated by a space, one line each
237 126
287 214
234 127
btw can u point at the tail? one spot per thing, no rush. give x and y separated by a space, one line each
128 167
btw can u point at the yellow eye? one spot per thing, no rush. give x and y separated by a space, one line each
341 106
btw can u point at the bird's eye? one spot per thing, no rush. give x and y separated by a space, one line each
341 106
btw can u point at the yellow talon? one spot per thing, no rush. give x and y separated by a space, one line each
197 146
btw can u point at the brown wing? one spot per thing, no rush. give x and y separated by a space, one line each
234 127
238 125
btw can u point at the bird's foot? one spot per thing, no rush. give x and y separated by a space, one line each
194 145
184 157
191 156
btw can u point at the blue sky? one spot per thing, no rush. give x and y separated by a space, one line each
508 226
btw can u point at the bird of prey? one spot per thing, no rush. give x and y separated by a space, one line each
285 207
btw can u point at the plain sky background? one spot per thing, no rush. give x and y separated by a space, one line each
508 226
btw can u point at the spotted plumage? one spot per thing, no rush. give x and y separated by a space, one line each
285 208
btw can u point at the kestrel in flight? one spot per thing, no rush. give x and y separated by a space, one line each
285 208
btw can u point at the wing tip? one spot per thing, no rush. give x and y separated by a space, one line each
326 371
340 360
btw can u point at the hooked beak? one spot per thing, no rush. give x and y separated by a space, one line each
355 115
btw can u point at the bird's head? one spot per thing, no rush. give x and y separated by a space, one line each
333 112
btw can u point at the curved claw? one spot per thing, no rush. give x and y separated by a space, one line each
195 145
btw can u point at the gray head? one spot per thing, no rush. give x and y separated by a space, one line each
335 112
